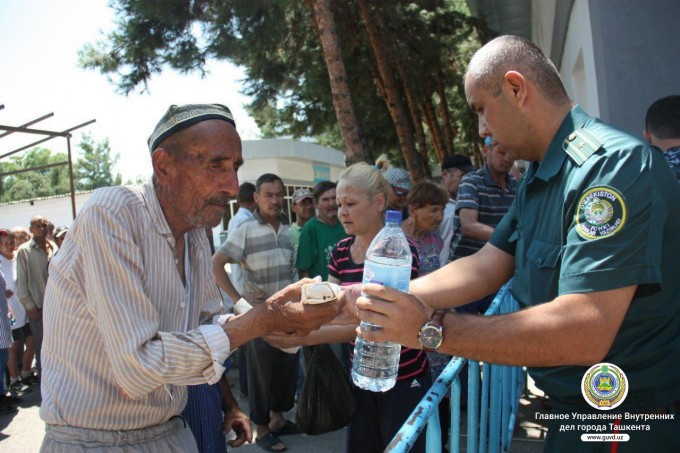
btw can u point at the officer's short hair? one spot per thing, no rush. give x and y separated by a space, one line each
663 118
507 53
245 193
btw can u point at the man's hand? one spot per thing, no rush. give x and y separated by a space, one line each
234 418
401 315
285 313
33 313
240 423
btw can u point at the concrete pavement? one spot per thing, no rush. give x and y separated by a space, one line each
23 431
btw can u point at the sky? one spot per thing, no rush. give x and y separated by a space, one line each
39 74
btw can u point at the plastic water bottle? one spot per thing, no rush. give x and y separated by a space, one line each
388 262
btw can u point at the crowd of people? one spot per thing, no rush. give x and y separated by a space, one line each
24 259
131 317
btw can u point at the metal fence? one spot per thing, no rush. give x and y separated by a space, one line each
493 396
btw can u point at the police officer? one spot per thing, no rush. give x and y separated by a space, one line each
592 243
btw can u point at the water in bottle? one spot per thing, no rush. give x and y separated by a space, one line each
388 262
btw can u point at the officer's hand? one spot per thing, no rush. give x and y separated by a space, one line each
401 315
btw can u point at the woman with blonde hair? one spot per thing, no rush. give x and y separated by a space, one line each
362 194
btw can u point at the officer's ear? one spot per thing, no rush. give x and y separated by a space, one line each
516 86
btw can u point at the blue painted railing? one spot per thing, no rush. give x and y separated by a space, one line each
491 410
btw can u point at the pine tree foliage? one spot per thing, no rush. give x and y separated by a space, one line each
424 45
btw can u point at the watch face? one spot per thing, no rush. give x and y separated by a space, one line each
431 337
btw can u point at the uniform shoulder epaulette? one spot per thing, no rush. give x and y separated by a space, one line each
580 145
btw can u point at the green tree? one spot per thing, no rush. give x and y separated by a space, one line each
417 61
39 183
94 168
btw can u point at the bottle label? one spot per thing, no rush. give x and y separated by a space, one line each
393 276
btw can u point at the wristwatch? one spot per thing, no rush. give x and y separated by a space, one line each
431 334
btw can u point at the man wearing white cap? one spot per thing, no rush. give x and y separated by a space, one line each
131 300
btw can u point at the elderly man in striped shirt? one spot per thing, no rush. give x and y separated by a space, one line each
131 303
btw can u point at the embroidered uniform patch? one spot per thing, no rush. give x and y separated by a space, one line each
601 212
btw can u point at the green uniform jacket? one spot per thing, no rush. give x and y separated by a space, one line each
600 212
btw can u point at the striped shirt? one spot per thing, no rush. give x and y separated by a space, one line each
480 192
413 362
264 253
116 353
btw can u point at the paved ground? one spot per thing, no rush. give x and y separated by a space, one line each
23 432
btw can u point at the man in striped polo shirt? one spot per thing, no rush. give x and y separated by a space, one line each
262 246
484 196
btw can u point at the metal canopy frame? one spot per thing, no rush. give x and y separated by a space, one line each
25 129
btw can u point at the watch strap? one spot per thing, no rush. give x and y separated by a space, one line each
437 318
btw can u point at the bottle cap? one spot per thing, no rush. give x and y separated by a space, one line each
393 217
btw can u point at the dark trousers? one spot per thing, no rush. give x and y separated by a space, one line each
272 374
37 329
381 415
203 414
243 371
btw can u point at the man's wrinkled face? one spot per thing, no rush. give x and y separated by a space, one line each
327 206
270 198
204 176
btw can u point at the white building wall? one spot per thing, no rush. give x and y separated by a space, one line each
57 210
543 14
297 163
577 67
578 61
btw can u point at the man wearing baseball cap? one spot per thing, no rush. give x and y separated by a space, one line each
401 185
302 205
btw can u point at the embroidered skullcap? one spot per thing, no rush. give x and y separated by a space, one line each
180 117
